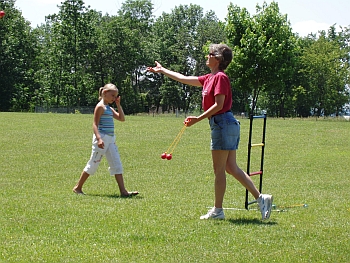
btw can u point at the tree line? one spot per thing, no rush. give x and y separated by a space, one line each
64 61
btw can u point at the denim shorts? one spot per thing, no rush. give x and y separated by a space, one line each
225 131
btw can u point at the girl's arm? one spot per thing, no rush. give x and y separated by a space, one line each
188 80
99 109
120 116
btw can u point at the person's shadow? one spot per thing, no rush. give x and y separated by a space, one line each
250 221
116 196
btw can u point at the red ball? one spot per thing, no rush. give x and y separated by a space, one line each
2 14
169 156
163 156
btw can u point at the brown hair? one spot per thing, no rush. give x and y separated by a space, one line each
223 53
107 87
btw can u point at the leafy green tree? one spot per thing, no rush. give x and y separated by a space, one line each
69 39
264 51
179 40
17 60
135 17
64 61
326 74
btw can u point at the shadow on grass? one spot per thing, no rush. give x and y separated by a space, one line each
116 196
249 221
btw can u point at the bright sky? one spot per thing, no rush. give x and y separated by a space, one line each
305 16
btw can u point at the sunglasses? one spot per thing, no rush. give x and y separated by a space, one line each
211 54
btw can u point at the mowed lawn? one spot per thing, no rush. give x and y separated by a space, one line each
42 155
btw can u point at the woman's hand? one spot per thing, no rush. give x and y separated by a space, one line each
157 69
190 120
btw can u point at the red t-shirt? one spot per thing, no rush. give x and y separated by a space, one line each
213 85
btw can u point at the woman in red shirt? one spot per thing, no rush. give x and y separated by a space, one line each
225 129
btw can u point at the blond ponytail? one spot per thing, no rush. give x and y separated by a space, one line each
100 93
108 86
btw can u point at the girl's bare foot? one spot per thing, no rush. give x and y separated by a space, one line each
78 191
129 194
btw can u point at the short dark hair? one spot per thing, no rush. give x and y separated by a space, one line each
223 53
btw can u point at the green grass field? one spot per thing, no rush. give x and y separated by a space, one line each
41 220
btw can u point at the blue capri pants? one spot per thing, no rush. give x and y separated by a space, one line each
225 132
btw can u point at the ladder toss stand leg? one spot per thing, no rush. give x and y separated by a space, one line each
250 146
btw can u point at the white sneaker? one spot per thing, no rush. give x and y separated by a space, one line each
214 213
265 204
